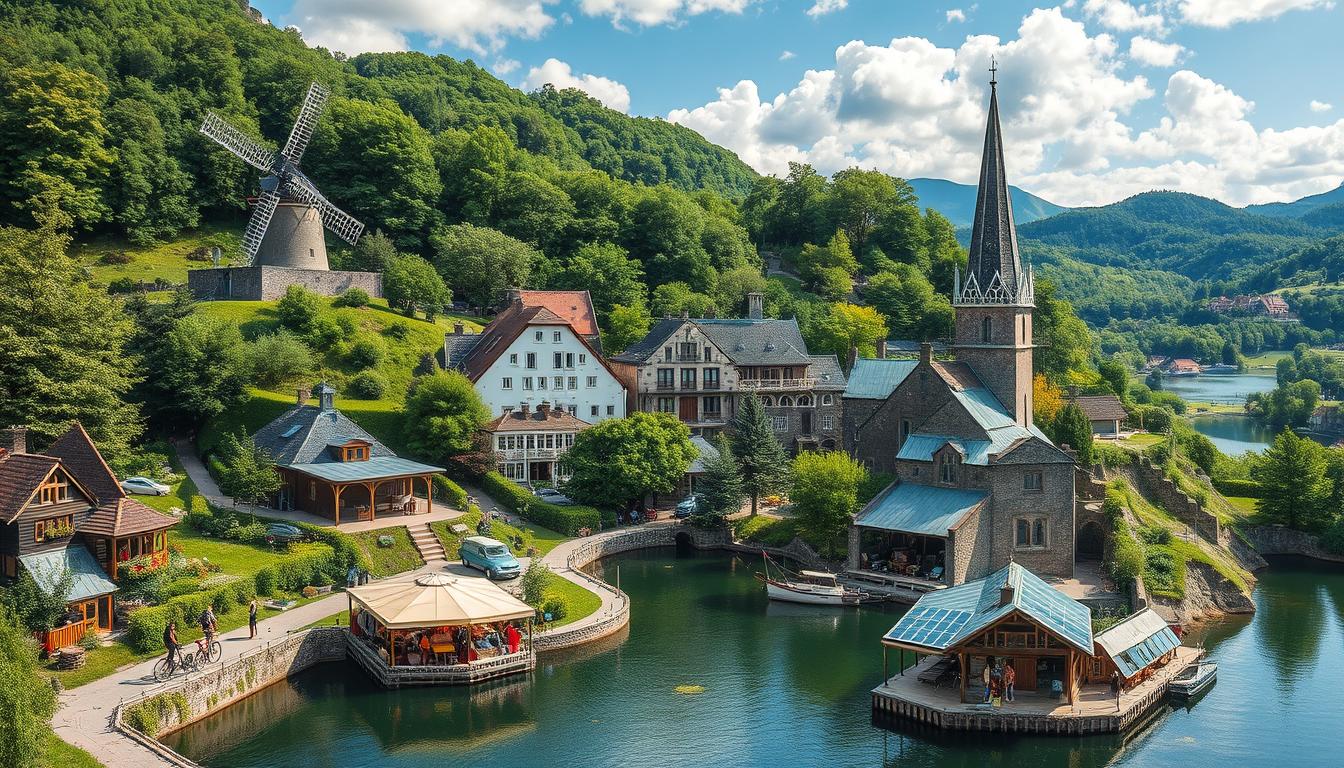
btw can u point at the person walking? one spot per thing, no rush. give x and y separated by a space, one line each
252 619
1009 681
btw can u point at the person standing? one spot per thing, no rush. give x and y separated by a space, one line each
1009 681
513 637
984 677
208 625
252 619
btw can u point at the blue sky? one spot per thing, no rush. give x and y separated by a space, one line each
1236 99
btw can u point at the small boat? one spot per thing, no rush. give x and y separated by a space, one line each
1193 680
1220 369
810 587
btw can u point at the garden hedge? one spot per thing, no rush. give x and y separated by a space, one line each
566 520
449 492
1246 488
144 627
307 565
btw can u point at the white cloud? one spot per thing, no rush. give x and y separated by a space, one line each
1122 16
823 7
1225 13
912 108
1320 106
355 27
1147 51
504 66
956 15
652 12
560 75
785 56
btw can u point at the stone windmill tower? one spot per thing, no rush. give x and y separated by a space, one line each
285 229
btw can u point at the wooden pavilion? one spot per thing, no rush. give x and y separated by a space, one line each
332 468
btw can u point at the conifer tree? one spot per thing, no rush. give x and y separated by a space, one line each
721 483
761 457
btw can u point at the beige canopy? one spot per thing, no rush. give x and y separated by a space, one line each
439 599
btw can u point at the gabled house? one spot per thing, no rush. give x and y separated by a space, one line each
331 467
65 514
529 444
531 354
1105 412
574 307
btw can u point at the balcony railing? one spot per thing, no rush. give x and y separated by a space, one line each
754 384
704 418
666 386
710 386
688 385
530 454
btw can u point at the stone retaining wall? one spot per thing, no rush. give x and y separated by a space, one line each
1160 488
1278 540
221 684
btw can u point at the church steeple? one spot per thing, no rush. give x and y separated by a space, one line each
994 273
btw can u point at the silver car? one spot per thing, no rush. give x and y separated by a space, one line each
144 486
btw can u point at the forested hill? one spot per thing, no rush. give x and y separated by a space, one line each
1302 206
957 201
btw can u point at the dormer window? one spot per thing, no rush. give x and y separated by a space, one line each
54 491
354 450
947 468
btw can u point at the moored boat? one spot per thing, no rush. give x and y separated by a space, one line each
1193 680
809 587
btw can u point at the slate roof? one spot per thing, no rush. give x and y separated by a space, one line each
556 420
703 450
993 250
873 379
757 342
652 341
827 371
1137 641
358 471
20 475
316 429
87 577
948 617
1101 407
926 510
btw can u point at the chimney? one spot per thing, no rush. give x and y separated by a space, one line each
1006 593
14 438
515 296
852 357
755 305
685 314
544 408
302 395
522 408
458 328
926 352
326 397
882 349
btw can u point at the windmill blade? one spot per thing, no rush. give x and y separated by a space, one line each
256 226
345 226
307 120
237 142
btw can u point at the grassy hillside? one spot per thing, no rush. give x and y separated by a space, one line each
110 258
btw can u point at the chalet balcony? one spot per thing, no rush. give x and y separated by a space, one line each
776 384
704 419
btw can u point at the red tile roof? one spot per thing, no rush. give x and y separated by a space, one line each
575 307
507 326
557 420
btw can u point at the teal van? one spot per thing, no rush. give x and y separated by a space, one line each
493 557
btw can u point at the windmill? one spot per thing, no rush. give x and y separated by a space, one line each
294 238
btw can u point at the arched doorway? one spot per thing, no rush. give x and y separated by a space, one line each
1091 541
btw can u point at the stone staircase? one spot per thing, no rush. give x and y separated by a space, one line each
427 543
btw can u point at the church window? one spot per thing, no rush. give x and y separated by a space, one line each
986 330
905 430
1030 533
947 468
1031 481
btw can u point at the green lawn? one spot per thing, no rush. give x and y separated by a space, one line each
543 539
341 619
59 754
386 561
1143 440
1245 508
1153 516
165 260
579 602
231 556
771 531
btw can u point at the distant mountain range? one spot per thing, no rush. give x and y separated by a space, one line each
957 201
1301 207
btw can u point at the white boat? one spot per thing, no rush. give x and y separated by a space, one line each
810 587
1193 680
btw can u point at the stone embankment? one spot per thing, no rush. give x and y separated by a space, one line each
1278 540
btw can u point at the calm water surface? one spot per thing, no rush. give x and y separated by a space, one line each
1232 434
784 686
1219 388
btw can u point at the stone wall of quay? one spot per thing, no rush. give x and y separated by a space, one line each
1278 540
183 700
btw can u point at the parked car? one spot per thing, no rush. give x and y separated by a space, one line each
282 533
689 506
489 555
552 496
144 486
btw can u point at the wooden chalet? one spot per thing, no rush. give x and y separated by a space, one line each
64 513
332 468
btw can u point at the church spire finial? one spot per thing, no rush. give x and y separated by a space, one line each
993 72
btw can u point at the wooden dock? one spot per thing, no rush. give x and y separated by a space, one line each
451 674
1096 710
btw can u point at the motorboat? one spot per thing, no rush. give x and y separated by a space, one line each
809 587
1193 680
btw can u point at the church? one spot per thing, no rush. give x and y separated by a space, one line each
978 485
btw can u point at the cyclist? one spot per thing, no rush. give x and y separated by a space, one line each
208 625
170 642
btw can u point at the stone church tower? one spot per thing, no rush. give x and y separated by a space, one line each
995 300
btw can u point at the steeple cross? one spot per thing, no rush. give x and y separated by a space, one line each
993 71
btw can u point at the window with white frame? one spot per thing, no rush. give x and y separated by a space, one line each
513 358
611 410
573 410
558 360
527 382
541 382
781 423
583 359
827 423
540 335
1031 533
592 382
506 382
826 400
532 360
559 382
594 411
573 382
555 337
569 359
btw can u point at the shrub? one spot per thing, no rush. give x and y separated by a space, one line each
279 357
123 285
365 352
144 627
111 258
323 333
182 586
89 640
367 385
1155 534
251 533
352 297
566 520
1333 538
1126 557
1246 488
397 329
535 580
265 582
298 308
555 607
449 492
385 541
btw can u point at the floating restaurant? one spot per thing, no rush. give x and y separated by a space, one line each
971 640
439 629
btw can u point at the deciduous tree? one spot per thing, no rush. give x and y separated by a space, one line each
443 413
619 461
481 263
248 472
27 702
1293 482
825 494
411 283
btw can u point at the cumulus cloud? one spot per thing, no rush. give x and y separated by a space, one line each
560 75
956 15
355 27
1320 106
1153 53
1122 16
823 7
649 13
912 108
504 66
1225 13
785 56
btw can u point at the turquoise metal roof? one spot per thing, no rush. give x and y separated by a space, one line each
921 509
874 379
357 471
87 577
984 407
1138 641
950 616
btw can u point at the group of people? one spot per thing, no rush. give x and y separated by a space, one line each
1000 682
467 643
209 625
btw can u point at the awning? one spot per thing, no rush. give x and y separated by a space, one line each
87 577
438 599
920 509
376 468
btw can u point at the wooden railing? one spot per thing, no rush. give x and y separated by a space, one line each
70 634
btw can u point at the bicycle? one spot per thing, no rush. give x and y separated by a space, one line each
186 664
207 654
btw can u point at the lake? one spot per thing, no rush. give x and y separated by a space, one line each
1232 434
784 686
